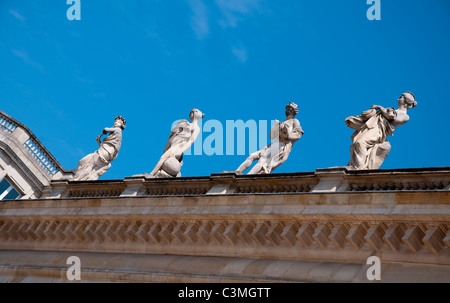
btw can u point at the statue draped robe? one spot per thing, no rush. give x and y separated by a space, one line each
370 146
181 137
97 163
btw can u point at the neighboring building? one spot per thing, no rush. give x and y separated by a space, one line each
26 166
317 226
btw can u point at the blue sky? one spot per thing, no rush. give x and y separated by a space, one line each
152 61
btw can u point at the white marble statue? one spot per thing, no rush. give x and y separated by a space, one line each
283 134
97 163
370 146
181 138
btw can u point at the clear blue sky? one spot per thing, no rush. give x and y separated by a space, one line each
152 61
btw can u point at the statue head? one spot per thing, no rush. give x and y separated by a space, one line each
291 109
119 121
197 114
408 100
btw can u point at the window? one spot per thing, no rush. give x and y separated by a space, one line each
7 191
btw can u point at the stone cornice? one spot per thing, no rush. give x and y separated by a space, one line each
323 180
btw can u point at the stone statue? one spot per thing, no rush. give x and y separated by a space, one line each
181 138
370 146
283 134
97 163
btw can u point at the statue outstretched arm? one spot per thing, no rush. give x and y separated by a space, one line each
109 130
390 115
356 122
106 130
367 114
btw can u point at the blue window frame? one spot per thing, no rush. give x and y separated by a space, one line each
7 191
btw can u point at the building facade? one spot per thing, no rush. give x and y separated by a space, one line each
319 226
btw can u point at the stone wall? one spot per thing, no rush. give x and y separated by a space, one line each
318 226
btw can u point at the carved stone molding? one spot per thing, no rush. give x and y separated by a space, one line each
294 239
322 181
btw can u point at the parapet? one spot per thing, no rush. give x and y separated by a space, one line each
330 180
